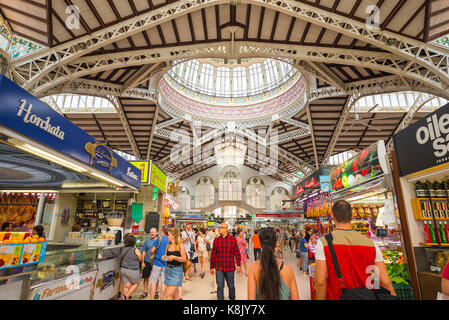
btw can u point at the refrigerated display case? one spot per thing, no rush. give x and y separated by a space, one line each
75 273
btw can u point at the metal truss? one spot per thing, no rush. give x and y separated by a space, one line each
420 102
129 134
98 88
168 123
429 61
325 74
296 123
374 86
289 135
351 100
145 72
173 136
386 62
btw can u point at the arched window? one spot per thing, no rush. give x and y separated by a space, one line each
183 199
277 195
230 185
256 193
204 192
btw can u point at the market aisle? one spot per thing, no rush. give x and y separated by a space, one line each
199 289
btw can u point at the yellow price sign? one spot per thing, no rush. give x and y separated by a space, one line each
158 178
144 167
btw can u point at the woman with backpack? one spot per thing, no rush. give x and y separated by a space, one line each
269 278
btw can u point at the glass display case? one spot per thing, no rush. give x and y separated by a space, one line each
63 262
437 259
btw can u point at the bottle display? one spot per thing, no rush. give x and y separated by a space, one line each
442 233
432 233
427 232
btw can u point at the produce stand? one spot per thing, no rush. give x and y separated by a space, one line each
19 258
365 181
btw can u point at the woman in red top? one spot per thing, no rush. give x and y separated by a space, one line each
445 281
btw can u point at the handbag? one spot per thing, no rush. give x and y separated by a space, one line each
153 255
355 293
186 265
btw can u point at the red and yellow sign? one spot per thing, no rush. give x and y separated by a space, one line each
144 167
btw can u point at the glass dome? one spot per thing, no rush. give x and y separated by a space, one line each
231 78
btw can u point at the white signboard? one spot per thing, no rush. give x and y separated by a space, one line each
75 286
107 282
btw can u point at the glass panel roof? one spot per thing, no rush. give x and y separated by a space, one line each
397 102
72 103
229 79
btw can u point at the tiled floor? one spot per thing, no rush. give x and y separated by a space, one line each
199 289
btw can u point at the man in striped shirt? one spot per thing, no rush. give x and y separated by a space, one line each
224 257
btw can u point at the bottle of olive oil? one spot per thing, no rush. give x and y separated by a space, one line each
420 190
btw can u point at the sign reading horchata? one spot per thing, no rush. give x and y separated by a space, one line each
26 115
425 144
25 112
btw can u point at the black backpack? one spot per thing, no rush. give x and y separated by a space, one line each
356 293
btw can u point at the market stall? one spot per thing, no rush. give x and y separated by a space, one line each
47 163
365 182
421 174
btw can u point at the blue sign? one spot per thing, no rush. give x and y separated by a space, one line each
27 115
325 183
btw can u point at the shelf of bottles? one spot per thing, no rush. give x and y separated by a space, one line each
431 206
90 213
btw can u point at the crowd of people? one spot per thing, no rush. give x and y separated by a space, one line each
169 259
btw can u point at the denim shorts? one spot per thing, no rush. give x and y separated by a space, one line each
173 276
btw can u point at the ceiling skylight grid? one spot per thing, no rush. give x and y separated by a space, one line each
245 80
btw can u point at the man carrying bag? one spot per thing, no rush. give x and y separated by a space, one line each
349 265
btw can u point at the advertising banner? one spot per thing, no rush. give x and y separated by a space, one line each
313 181
325 183
17 255
29 116
158 178
107 281
144 167
71 285
424 144
365 166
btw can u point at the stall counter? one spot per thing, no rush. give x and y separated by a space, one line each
76 273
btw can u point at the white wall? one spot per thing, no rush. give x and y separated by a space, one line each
245 174
64 200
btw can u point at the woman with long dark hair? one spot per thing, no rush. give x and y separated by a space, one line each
270 279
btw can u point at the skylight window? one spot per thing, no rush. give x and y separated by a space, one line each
397 102
232 79
69 103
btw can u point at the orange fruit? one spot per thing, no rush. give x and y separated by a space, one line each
35 236
34 241
7 242
27 240
41 239
15 241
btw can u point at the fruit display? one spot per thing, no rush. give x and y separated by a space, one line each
19 238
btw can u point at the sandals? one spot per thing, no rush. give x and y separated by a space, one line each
144 295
